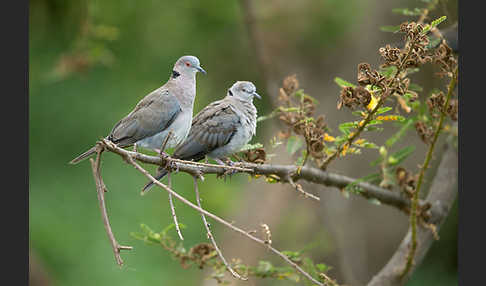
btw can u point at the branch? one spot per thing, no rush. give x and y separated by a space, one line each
441 197
101 189
310 174
428 157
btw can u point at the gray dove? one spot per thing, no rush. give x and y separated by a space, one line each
221 129
168 108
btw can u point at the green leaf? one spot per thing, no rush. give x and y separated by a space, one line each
370 145
373 128
375 177
321 267
301 95
438 21
357 113
374 122
293 144
264 267
407 12
388 71
374 201
251 146
403 130
434 42
300 160
346 126
388 28
383 110
399 156
415 87
342 83
412 70
433 24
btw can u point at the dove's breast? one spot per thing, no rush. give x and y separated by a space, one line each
180 129
242 136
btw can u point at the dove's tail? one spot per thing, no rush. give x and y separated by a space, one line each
160 175
83 156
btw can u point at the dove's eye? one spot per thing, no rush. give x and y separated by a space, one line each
188 64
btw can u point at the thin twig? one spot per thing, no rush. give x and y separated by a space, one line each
164 143
172 208
228 167
100 190
171 203
299 189
428 157
131 161
211 237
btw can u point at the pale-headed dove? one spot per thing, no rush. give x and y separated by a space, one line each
221 129
168 108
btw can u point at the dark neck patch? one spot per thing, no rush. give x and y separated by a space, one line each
230 92
175 74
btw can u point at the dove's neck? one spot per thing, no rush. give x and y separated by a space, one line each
184 86
246 110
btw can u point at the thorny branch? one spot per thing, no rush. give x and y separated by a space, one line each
280 172
101 189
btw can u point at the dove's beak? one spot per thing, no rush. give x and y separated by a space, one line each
257 95
199 68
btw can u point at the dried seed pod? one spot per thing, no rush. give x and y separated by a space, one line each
436 102
257 156
363 70
347 99
362 95
423 131
290 84
453 109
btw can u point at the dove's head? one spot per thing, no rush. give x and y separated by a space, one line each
244 90
188 65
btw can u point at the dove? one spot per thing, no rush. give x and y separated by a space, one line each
221 129
168 108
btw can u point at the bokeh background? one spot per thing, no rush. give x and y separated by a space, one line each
92 61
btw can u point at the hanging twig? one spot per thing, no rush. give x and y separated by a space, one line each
172 208
211 237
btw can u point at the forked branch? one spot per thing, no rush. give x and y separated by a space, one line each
101 189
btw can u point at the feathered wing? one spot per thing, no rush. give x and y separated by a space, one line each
212 127
153 114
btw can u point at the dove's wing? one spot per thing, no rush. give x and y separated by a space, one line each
211 128
153 114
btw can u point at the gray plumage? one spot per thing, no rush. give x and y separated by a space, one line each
221 129
168 108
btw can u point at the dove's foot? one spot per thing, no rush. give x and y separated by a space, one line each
228 162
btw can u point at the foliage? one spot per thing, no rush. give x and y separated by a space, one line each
204 255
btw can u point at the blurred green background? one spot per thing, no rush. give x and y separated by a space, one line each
91 61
